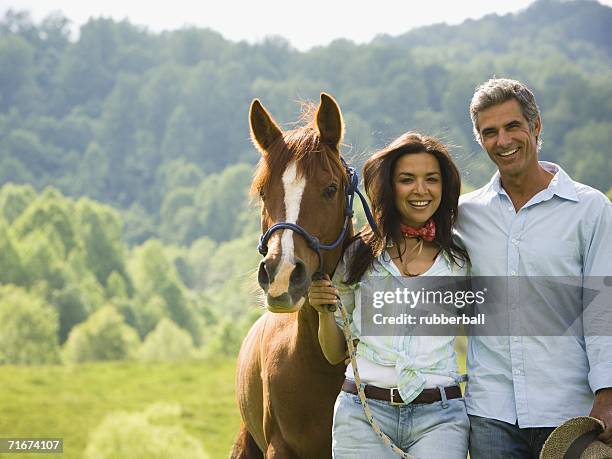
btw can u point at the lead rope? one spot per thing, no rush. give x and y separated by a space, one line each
364 403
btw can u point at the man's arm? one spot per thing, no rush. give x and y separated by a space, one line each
597 319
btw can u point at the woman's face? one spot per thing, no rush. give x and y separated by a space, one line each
417 187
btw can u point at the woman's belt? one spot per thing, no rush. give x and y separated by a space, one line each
393 396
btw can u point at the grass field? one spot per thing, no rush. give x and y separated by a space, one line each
69 402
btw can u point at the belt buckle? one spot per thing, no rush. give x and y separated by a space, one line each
392 399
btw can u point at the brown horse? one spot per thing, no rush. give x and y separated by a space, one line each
284 385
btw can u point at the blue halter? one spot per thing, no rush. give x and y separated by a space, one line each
312 241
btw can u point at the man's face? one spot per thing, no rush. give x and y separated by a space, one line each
506 136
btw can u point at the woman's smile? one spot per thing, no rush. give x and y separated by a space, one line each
419 204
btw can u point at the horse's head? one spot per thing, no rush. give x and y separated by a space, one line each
301 180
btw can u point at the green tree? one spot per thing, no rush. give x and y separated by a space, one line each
154 275
221 199
103 336
119 124
51 214
197 263
181 139
190 46
28 328
14 199
39 160
587 147
78 276
13 170
116 286
148 312
154 434
177 202
178 173
16 69
71 307
232 295
41 253
93 172
138 225
99 229
11 269
168 342
85 71
159 97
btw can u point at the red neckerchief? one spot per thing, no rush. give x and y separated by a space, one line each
427 232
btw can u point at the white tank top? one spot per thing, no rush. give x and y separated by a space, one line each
385 376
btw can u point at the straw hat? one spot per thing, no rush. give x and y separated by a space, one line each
577 439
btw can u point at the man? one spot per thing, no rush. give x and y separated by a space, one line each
532 219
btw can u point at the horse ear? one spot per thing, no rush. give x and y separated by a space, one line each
264 131
329 121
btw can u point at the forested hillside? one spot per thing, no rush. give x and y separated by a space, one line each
72 291
149 122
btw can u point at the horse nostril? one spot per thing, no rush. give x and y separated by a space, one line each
298 275
263 275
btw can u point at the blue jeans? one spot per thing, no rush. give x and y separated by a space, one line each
437 430
492 438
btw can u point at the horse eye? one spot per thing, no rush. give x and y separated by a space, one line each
262 195
330 191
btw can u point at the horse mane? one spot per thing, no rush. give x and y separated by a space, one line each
302 145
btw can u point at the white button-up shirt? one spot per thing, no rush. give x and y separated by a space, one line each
564 230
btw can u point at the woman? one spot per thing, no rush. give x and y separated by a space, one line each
414 188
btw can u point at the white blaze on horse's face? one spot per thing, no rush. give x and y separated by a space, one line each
293 187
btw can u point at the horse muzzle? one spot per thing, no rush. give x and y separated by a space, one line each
286 284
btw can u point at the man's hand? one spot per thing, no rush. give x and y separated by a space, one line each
602 410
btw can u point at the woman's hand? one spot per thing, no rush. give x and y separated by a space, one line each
321 293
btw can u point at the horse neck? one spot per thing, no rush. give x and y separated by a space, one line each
307 317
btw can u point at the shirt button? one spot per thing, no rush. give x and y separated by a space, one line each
517 371
510 208
515 339
515 242
513 273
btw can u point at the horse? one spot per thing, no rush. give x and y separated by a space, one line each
285 388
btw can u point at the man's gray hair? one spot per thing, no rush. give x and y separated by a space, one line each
500 90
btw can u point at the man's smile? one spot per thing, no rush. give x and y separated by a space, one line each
506 153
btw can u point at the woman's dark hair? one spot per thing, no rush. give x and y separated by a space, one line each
378 180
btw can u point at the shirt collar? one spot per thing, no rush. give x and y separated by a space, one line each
561 184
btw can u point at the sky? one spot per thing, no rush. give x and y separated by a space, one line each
305 23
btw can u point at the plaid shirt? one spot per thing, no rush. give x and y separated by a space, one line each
412 356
